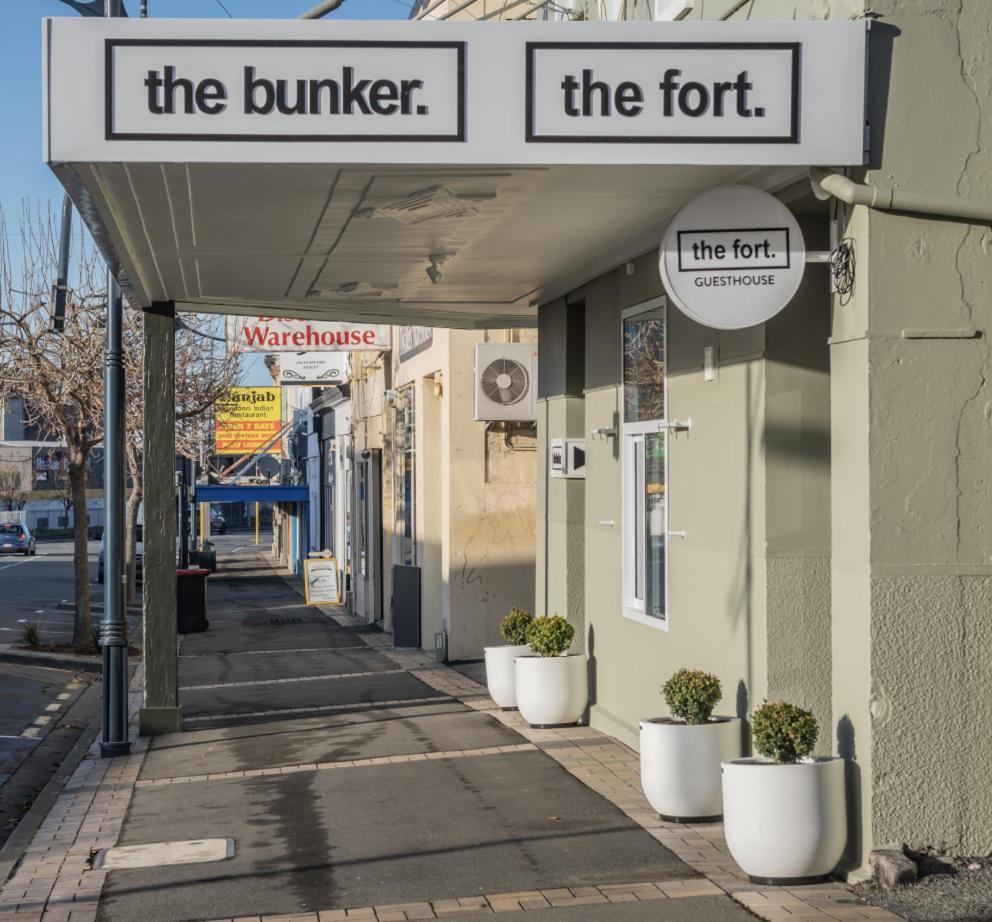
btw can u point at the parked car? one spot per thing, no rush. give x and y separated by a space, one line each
94 532
16 539
138 555
217 523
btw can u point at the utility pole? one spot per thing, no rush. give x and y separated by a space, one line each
113 626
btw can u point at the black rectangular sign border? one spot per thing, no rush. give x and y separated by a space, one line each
724 230
111 135
792 138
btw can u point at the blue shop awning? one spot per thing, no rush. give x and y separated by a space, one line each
250 493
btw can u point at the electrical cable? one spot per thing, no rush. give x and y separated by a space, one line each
220 3
841 265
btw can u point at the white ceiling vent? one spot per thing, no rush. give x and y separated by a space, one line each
426 205
506 381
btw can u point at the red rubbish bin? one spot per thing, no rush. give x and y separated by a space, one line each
191 601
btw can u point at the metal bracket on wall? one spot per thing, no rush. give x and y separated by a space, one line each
674 534
604 432
676 425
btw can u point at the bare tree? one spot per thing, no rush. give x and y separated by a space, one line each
61 481
58 376
11 494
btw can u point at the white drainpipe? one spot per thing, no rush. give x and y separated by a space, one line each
825 183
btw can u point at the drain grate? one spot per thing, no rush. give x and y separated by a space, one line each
284 621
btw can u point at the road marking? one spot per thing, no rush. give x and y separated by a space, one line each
318 709
272 652
65 696
302 678
52 707
31 732
423 756
17 563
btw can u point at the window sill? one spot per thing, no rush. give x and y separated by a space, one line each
659 624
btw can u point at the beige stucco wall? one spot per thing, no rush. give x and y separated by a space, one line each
476 499
922 555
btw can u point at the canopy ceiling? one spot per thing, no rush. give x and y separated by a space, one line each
349 243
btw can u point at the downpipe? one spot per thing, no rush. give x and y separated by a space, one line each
882 198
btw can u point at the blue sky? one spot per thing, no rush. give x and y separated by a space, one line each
22 172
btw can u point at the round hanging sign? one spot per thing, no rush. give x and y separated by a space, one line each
733 257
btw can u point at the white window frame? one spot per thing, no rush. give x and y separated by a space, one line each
631 436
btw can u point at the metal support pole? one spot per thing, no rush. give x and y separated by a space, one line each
256 522
184 509
62 279
321 9
113 628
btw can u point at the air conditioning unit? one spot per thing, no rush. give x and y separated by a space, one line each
506 381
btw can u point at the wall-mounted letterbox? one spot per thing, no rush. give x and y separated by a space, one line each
567 458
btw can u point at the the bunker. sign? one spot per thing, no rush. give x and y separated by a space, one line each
732 258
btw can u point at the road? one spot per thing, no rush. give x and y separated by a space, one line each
32 588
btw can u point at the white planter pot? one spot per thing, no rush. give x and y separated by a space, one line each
501 674
552 690
785 823
680 766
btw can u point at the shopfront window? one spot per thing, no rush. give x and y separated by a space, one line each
403 471
644 461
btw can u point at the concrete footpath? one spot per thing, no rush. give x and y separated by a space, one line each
324 776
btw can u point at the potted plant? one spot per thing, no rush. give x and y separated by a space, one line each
681 754
784 813
500 670
552 688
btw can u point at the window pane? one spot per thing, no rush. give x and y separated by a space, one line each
654 524
644 367
639 523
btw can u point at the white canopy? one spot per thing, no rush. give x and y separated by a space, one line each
449 174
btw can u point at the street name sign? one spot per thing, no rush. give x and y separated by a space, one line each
733 257
321 369
121 90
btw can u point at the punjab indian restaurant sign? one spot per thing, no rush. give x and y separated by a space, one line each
414 92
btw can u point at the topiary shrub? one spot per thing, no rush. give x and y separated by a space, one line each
515 625
783 732
692 694
550 635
